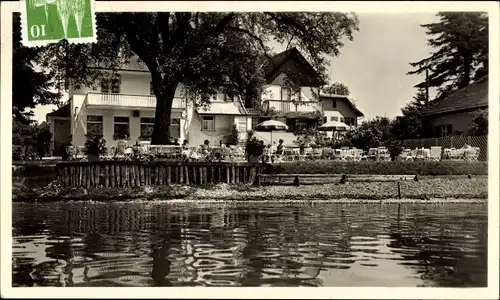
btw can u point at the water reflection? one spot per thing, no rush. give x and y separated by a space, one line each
249 244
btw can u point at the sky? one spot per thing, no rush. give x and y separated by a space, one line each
374 64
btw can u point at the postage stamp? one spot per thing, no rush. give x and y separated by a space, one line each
49 21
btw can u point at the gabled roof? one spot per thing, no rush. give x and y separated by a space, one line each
345 99
473 96
272 70
63 111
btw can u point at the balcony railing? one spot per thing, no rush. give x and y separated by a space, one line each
127 100
291 106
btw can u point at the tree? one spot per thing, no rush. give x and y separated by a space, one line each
337 88
30 139
29 86
461 42
480 123
410 125
205 52
370 134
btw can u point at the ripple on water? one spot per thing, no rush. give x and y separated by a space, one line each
248 244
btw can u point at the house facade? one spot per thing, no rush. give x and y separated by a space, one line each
122 107
454 114
340 108
292 92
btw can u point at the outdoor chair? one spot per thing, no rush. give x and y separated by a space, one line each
406 154
120 151
471 153
327 153
109 155
435 153
317 153
80 153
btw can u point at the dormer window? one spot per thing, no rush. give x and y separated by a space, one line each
111 84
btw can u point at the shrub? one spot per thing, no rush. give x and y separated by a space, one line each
382 168
95 145
254 146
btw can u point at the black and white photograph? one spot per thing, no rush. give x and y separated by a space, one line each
297 144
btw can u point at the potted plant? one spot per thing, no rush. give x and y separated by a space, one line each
94 146
254 148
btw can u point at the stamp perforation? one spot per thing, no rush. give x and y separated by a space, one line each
64 7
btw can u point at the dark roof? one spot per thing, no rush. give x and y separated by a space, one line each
470 97
344 98
278 60
63 111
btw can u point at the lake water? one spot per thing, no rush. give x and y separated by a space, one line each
249 244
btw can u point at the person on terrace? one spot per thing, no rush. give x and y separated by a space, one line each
205 147
280 147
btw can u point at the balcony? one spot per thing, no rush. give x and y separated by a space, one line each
287 106
128 101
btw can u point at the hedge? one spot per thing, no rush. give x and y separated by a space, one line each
383 168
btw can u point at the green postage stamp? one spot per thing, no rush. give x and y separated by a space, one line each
49 21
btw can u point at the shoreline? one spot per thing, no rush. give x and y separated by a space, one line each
437 189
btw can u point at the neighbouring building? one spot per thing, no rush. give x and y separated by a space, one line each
454 114
122 106
340 108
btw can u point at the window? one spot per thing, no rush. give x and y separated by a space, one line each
300 125
147 125
286 94
208 123
444 130
334 119
349 121
94 125
342 119
111 85
151 90
175 128
334 103
121 128
325 119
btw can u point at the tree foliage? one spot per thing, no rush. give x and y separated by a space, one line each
410 124
205 52
30 87
337 88
479 123
30 140
372 133
461 56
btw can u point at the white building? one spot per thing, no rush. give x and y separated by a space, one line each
123 107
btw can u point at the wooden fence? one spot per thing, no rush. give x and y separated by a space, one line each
135 173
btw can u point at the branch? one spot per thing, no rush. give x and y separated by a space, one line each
163 27
258 39
223 23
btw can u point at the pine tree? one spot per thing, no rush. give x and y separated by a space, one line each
461 40
418 102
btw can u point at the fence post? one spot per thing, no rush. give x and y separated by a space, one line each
451 141
436 140
468 140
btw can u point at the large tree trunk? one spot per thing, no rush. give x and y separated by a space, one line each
164 98
467 69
